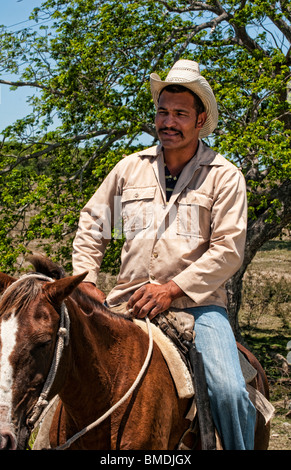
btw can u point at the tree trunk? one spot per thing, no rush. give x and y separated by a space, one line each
234 294
259 232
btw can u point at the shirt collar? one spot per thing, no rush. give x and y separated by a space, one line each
205 156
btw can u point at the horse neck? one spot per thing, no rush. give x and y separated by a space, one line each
91 356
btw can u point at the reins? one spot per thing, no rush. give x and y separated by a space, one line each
62 341
122 400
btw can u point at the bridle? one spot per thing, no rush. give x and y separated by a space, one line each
63 337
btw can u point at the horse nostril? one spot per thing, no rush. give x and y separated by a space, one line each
7 441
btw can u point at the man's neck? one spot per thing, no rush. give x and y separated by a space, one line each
176 160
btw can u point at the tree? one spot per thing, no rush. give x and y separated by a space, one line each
90 70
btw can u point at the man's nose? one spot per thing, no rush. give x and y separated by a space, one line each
169 120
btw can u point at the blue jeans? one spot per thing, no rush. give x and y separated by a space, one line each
233 413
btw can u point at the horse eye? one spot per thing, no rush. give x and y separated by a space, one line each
43 344
46 343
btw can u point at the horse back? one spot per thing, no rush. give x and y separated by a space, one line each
260 383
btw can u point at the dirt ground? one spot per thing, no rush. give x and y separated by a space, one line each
280 438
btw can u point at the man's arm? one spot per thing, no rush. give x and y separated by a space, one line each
89 289
94 230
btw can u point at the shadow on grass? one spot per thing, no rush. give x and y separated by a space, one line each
276 245
266 345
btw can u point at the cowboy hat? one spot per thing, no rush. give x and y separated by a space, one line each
187 73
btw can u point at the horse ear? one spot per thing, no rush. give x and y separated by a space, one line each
5 281
45 266
58 290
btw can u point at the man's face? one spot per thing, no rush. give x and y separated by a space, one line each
177 123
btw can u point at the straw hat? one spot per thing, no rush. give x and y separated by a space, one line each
186 73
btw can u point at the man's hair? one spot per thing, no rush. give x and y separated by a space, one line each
198 104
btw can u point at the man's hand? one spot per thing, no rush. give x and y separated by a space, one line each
152 299
91 290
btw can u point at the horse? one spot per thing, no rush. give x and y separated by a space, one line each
101 356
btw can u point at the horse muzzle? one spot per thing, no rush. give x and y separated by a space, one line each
8 439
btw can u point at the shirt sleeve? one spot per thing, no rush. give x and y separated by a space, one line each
226 245
94 229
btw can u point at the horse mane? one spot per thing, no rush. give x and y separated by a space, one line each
81 298
19 297
47 267
27 289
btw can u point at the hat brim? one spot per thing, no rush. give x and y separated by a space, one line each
200 87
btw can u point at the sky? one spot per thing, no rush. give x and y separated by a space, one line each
14 14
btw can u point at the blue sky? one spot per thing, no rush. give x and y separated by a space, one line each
14 14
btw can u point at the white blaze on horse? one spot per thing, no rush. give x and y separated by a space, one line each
9 329
54 341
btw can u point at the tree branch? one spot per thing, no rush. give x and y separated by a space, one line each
280 23
116 135
31 84
242 38
286 9
197 28
261 230
50 147
194 6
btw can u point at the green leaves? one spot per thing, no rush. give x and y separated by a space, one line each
88 69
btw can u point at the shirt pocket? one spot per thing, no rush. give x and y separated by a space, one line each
194 214
137 209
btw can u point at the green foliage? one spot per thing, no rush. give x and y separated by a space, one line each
90 70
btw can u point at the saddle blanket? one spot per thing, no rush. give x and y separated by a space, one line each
182 377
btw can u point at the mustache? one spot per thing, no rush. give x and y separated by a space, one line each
173 129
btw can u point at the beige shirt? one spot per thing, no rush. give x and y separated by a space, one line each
196 239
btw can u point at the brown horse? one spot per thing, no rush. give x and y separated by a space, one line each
99 362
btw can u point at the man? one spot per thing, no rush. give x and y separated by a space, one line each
184 218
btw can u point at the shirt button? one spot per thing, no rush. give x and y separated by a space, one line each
155 254
153 278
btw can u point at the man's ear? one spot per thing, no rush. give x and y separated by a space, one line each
201 120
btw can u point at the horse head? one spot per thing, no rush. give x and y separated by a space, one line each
30 310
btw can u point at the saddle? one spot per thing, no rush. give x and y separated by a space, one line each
178 331
173 332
